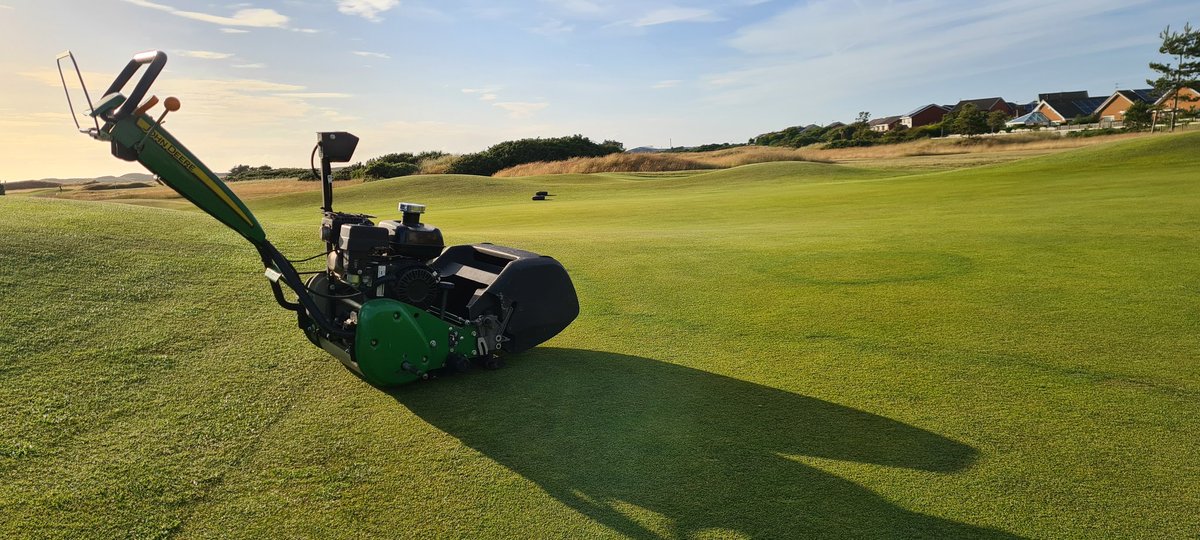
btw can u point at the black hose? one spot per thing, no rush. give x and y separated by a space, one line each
312 162
273 258
308 259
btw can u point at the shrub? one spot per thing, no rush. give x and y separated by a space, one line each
480 163
388 169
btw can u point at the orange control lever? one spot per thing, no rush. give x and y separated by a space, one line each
146 106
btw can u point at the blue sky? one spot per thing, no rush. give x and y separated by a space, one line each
258 78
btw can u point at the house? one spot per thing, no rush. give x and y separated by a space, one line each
1032 119
1060 107
1113 109
923 116
988 105
886 123
1189 100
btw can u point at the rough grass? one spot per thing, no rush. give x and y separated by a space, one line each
782 350
1018 146
249 190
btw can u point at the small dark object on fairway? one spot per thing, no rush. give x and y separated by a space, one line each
538 198
541 195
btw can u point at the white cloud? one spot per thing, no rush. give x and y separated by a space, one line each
367 9
369 54
553 27
3 6
670 83
206 55
316 95
250 66
676 14
255 17
520 109
488 97
582 7
234 31
831 50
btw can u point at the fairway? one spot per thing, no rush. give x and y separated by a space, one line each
779 350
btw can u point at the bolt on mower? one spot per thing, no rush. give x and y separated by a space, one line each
394 303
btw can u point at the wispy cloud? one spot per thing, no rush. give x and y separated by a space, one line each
676 14
234 31
206 55
670 83
822 47
488 97
367 9
582 7
521 109
553 27
369 54
250 66
316 95
251 17
5 6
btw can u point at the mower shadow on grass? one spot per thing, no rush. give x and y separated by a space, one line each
649 448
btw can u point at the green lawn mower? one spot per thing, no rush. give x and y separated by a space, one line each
394 304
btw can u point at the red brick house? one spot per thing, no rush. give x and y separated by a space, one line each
923 116
988 105
1113 109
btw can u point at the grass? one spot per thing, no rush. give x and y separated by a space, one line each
945 153
775 350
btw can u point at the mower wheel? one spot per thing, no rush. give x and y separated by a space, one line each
458 363
493 361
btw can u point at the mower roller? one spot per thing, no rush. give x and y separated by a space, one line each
393 304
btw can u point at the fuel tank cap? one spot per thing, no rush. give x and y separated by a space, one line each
412 208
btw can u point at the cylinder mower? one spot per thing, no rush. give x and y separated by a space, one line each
394 304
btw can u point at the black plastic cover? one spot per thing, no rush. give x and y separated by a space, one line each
331 224
362 238
337 146
486 277
418 241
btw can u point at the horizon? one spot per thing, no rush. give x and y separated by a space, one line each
257 79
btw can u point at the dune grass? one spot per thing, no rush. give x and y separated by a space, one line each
982 149
781 350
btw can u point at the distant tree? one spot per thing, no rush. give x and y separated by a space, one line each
239 170
996 120
970 121
1138 116
1184 48
864 117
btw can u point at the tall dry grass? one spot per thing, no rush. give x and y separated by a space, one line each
745 155
661 162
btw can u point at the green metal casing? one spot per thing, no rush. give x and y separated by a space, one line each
391 333
179 169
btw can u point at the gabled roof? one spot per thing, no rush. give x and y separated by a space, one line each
1169 94
982 104
1144 95
884 120
920 110
1072 108
1063 96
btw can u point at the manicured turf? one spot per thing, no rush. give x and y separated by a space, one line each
778 350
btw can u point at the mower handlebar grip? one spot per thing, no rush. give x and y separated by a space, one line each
154 62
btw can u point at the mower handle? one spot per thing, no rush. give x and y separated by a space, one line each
156 61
